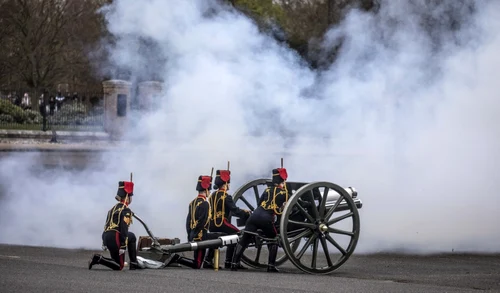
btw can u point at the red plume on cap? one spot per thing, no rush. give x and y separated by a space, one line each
283 173
128 187
206 181
225 175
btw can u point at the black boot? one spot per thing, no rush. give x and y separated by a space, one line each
229 256
273 253
208 263
132 251
98 259
134 266
94 260
235 265
187 262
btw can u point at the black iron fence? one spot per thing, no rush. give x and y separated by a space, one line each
48 110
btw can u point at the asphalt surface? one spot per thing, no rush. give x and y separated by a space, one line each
36 269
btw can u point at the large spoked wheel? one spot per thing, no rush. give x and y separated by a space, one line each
247 197
329 214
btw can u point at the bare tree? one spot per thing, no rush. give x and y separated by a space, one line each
43 40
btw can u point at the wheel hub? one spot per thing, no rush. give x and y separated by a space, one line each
323 227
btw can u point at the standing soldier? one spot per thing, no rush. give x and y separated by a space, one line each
271 204
222 204
197 224
116 236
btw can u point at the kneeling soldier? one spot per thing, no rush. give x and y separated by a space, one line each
197 223
270 205
116 236
222 204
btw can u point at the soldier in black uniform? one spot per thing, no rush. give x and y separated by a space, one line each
116 236
271 204
222 204
197 224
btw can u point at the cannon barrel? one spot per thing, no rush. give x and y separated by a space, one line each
221 241
333 195
205 244
343 206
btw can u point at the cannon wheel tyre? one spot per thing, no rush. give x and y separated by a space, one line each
319 224
241 194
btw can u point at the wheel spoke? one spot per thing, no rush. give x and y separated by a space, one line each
256 192
315 253
323 202
303 250
337 231
247 203
303 224
335 206
305 213
325 250
332 241
304 233
313 205
333 221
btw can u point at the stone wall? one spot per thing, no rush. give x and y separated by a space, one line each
117 100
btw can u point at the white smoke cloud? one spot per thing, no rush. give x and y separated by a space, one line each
406 119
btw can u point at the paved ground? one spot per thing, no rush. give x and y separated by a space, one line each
34 269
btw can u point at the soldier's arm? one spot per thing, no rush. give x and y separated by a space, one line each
233 208
281 199
202 215
263 197
126 218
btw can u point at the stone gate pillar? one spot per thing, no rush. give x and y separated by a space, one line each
149 95
117 96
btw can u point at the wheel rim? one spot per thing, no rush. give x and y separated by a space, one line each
246 197
318 224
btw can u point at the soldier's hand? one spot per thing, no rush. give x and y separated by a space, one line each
104 248
121 251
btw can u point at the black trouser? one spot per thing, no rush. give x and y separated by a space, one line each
199 254
228 229
111 240
260 219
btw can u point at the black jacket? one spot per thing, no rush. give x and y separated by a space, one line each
198 218
118 219
273 199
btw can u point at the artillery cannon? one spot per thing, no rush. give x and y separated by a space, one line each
308 216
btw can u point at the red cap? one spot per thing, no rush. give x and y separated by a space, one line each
128 187
283 173
225 175
206 181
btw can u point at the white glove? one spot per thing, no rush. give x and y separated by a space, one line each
121 251
104 248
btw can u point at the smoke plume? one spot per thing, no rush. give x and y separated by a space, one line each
407 114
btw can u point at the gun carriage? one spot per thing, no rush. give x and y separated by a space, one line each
307 221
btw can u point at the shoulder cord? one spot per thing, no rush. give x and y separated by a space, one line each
273 203
126 200
193 207
216 201
112 225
